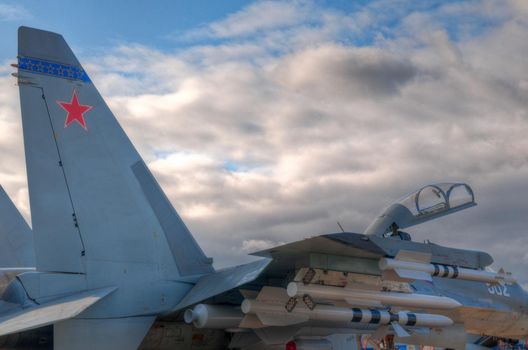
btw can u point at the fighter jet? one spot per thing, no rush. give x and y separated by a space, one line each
113 256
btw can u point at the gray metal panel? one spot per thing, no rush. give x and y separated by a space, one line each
344 264
346 244
43 286
16 236
222 281
51 210
101 334
188 256
294 255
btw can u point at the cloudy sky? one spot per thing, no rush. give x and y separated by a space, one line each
268 122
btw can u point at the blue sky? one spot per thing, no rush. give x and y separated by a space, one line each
98 25
103 23
270 121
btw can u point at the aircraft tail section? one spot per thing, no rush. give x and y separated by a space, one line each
15 235
92 197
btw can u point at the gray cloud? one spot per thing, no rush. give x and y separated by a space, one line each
351 73
284 128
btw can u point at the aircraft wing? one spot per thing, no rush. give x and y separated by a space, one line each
18 319
222 281
336 250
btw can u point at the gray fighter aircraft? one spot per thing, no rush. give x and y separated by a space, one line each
113 256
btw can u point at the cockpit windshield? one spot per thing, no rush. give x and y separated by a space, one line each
434 199
428 203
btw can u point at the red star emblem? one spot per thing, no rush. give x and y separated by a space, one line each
75 111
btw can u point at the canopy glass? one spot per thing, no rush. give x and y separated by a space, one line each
438 198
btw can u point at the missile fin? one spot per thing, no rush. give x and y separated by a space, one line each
399 330
273 295
248 294
251 321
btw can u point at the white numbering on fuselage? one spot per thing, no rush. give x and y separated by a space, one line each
498 289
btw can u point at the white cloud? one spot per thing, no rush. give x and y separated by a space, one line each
10 12
264 15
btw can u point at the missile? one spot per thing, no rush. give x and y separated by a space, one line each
213 316
340 314
360 297
401 267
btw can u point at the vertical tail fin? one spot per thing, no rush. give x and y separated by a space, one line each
92 198
15 235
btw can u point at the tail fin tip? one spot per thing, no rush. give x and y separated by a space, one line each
42 44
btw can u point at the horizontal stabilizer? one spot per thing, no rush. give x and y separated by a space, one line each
223 281
22 319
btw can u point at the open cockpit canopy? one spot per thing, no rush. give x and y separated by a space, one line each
439 198
428 203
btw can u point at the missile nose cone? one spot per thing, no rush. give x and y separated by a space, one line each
447 321
292 289
188 316
453 303
246 306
